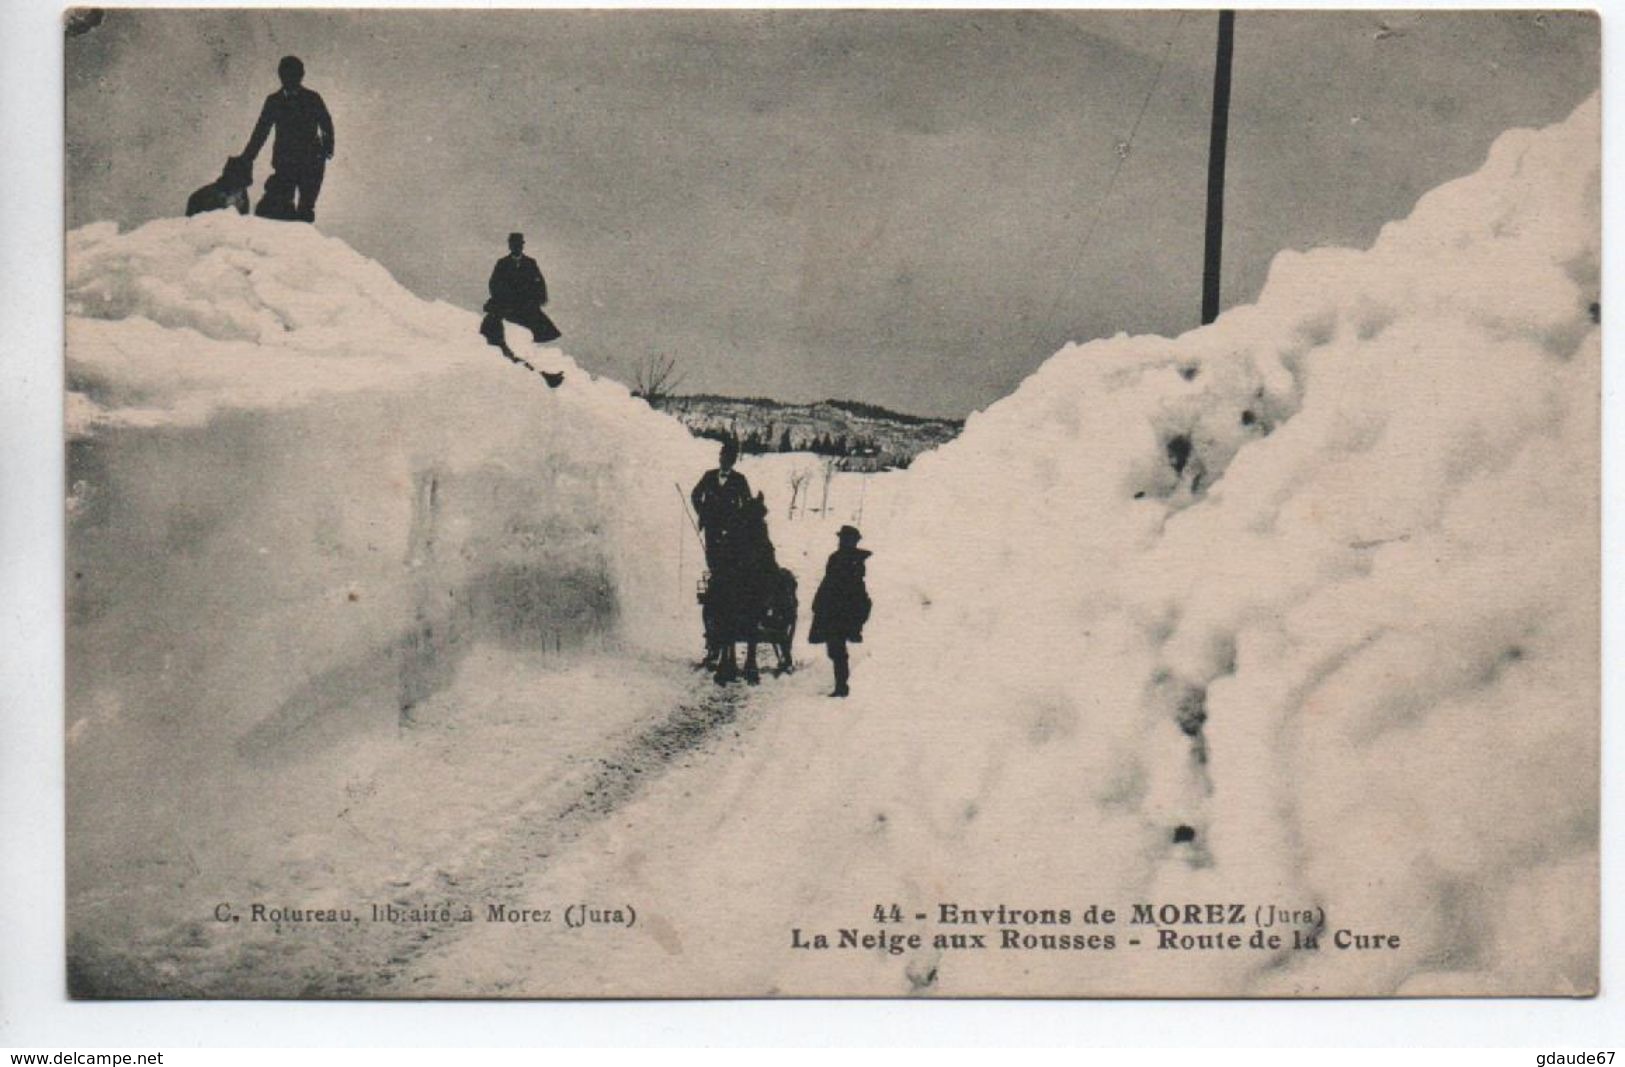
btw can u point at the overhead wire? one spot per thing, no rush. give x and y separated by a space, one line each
1124 150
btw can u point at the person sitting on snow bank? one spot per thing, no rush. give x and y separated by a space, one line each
841 605
518 292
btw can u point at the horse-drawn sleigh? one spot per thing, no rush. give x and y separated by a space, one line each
747 598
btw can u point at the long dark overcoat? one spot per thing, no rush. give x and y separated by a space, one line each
841 605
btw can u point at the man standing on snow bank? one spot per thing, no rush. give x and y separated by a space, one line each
304 136
841 605
518 292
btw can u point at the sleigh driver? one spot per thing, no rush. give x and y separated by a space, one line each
719 499
747 596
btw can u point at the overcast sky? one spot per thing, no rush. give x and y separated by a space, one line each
885 206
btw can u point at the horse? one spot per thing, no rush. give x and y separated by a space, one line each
748 598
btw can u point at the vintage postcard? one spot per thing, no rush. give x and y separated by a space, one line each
832 503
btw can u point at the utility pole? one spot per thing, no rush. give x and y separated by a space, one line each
1212 252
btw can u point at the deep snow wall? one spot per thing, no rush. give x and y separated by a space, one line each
1318 584
299 495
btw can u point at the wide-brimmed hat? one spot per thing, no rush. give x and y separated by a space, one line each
849 533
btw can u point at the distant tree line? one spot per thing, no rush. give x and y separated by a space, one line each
667 399
760 426
759 442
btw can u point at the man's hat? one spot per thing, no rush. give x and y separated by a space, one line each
516 237
849 533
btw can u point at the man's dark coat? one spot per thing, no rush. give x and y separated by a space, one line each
517 295
304 131
841 605
719 506
516 285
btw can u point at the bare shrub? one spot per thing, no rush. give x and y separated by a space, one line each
656 378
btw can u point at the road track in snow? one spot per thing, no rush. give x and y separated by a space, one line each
539 832
375 959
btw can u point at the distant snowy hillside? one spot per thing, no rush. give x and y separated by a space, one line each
865 436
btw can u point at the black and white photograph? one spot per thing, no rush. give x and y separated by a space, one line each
832 503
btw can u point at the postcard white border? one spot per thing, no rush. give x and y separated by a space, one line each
34 1009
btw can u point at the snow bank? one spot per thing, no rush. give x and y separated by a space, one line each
1319 582
299 496
1298 609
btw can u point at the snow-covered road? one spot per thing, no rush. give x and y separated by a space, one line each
492 784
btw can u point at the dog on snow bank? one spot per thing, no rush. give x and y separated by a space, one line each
230 190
